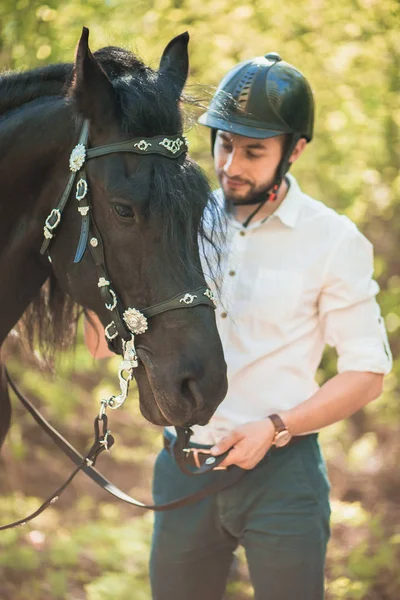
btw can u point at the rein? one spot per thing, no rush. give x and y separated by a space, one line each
103 440
125 323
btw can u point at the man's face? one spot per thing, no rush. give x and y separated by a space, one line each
246 166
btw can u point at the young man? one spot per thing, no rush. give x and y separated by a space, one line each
295 276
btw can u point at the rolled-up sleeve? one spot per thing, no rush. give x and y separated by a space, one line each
348 309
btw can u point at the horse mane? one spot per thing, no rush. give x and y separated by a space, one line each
17 89
178 187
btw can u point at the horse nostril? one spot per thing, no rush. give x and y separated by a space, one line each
186 391
191 392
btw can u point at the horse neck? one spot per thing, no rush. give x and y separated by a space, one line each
35 143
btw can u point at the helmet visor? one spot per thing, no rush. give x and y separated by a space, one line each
246 127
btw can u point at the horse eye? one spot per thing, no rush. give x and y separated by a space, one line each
124 211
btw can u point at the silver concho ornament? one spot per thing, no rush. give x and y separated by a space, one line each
142 145
135 320
172 145
188 298
77 158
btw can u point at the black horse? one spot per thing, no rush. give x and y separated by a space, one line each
148 210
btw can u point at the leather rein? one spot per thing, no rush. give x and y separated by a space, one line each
125 324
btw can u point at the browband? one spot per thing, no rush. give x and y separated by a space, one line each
171 146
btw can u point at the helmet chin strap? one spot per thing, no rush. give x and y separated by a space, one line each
264 196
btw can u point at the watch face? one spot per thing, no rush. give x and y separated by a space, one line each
282 438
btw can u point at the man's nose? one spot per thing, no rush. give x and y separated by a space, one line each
232 166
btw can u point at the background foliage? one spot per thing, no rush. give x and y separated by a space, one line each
87 547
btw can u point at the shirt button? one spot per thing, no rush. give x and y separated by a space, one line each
242 233
224 315
232 273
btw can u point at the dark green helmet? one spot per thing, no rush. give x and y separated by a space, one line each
260 98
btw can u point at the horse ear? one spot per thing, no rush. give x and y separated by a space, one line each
175 60
92 90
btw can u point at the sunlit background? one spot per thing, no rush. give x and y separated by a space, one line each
89 547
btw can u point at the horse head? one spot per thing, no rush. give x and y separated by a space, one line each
130 249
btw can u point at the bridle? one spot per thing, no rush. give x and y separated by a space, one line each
125 324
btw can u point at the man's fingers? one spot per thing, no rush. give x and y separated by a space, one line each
232 459
226 443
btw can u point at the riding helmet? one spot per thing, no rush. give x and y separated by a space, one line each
261 98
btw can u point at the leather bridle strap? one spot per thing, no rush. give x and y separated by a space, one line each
172 147
103 442
54 217
108 295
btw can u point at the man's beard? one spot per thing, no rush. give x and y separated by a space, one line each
254 196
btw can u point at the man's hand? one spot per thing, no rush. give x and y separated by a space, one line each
249 442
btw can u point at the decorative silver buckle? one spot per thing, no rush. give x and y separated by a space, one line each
108 335
114 300
81 189
48 227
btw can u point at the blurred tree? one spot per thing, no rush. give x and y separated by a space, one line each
349 51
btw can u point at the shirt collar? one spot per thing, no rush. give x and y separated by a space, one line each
287 212
289 209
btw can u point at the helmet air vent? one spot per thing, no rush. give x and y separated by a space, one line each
242 89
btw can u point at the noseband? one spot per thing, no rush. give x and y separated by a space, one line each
125 323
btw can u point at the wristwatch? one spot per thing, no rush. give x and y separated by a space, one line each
282 433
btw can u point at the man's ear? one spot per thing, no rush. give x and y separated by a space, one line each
175 61
298 150
92 90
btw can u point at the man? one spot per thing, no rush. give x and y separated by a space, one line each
295 276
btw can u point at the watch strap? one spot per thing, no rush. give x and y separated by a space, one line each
277 423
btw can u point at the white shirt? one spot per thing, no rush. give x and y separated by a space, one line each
291 284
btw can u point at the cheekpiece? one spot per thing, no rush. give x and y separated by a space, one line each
77 158
135 320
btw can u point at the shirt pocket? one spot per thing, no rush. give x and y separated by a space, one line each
276 294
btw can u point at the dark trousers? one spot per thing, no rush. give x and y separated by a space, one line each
279 512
